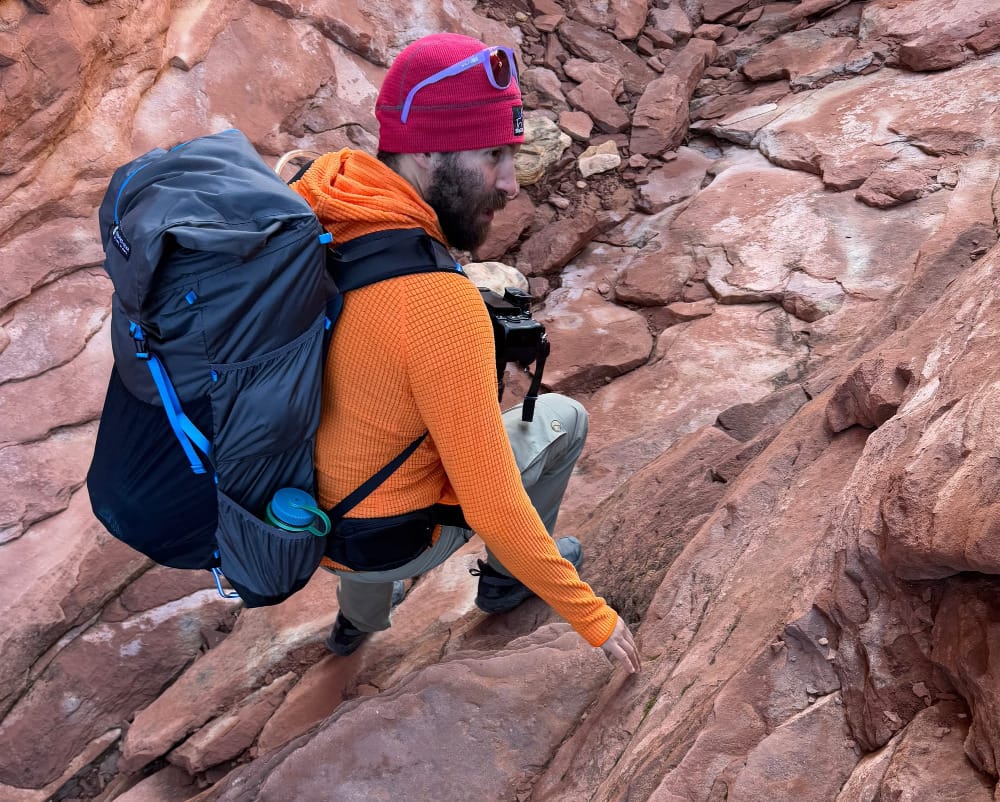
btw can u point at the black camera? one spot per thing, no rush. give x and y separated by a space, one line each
518 338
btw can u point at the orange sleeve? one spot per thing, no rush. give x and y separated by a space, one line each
449 356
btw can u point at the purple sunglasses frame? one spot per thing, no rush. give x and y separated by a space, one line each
482 57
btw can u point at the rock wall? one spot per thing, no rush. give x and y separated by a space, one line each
763 238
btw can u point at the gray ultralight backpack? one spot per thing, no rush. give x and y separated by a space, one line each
223 306
218 321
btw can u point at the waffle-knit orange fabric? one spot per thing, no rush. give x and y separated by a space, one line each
415 354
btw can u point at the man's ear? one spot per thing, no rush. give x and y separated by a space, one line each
425 161
417 168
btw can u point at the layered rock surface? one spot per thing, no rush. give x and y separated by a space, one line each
777 304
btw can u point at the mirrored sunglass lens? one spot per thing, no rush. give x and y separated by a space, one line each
500 66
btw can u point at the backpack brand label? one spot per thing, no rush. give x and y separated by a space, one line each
518 121
118 238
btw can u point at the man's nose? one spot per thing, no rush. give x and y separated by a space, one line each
507 178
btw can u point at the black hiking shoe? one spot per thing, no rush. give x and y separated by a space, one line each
345 638
499 593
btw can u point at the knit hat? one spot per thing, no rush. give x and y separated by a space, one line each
460 112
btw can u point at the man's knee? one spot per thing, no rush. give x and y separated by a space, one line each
564 412
557 432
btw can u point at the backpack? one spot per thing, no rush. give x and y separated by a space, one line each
224 302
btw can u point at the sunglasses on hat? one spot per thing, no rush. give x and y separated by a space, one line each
498 62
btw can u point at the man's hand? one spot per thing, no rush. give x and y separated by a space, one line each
621 647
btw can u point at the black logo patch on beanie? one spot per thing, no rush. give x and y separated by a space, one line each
518 121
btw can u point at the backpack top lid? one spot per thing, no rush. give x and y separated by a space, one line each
212 194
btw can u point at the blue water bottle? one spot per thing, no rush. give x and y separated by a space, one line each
295 510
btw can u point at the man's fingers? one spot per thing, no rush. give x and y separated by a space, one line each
621 646
627 660
630 651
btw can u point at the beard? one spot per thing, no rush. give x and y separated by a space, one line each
463 204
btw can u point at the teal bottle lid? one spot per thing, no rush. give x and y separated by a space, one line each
293 507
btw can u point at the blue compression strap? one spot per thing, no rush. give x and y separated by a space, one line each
121 189
217 574
186 432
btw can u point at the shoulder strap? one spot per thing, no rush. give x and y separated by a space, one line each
355 497
387 254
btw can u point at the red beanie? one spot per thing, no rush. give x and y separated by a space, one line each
460 112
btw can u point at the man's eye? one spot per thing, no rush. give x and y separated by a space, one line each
496 154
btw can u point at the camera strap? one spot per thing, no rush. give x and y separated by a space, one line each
528 405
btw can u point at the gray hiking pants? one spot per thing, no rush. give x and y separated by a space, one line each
546 449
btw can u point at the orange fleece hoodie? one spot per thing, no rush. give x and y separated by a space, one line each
415 354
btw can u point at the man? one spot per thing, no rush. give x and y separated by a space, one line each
415 354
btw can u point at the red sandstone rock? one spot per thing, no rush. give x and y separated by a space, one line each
712 10
654 278
986 41
930 30
37 479
261 640
624 17
596 340
931 759
661 115
797 54
598 104
655 518
546 7
45 253
167 785
790 149
230 735
541 88
810 299
672 22
358 752
773 769
577 124
35 407
84 692
743 422
868 397
605 75
56 576
549 249
886 187
795 524
851 170
598 47
745 346
81 301
508 225
683 311
927 53
675 181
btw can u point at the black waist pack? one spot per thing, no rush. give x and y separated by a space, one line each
381 544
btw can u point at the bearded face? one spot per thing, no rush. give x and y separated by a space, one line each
464 203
